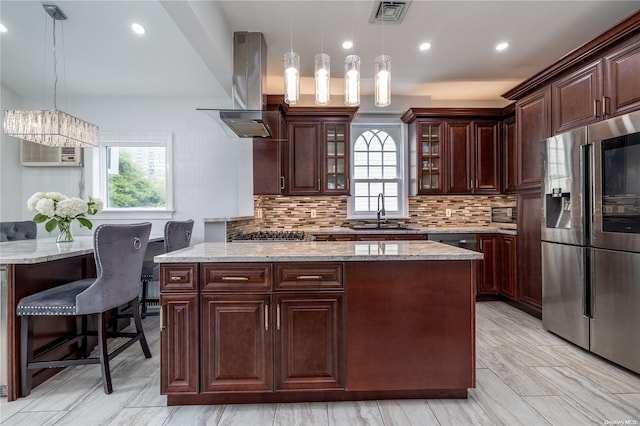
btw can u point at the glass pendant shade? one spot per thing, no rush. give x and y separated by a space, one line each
50 127
291 78
383 81
352 80
323 76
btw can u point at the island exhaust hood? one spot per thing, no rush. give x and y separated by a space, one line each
249 117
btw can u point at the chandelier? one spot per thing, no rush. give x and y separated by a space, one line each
51 127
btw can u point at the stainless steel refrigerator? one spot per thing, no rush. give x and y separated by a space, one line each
591 238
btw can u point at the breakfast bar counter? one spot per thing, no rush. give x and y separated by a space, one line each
316 321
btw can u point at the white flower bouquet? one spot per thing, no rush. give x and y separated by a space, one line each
59 211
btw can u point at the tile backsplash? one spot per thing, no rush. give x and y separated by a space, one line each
287 213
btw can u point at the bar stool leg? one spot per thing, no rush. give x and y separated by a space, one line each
26 353
104 353
139 329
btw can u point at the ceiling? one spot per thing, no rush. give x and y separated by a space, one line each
186 51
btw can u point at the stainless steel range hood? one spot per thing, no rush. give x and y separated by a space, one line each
249 118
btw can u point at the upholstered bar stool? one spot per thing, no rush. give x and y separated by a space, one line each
119 253
177 235
13 231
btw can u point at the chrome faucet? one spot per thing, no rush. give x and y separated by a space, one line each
381 212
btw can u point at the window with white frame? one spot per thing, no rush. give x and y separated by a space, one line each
377 168
134 172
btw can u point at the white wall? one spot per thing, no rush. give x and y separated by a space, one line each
212 175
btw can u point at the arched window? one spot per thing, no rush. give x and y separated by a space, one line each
377 169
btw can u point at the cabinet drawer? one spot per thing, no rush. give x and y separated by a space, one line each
312 276
178 277
236 276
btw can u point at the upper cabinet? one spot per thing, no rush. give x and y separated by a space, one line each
533 125
622 80
509 153
314 160
599 90
318 150
457 151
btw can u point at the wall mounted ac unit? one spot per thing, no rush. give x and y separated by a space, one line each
37 155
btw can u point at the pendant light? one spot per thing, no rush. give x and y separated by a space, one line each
351 73
322 70
382 78
352 80
51 127
291 71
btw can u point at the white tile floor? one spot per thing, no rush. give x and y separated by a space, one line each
525 376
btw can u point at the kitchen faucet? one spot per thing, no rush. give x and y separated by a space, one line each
381 212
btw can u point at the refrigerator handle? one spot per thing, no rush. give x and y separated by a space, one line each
588 306
586 155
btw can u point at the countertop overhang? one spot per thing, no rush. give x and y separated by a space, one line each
303 251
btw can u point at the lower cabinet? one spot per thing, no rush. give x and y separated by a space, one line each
309 341
497 271
387 236
249 329
236 343
179 342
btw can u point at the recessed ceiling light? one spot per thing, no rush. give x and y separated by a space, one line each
138 28
502 46
3 29
424 46
347 44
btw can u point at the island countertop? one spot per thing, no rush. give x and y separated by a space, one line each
303 251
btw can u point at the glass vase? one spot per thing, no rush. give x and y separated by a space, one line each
64 234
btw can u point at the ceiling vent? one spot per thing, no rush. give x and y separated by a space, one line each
392 12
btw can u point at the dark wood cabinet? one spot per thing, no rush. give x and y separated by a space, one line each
457 150
577 98
497 271
236 343
309 341
303 177
488 281
318 151
529 262
473 157
179 342
508 259
387 236
622 84
429 135
268 173
533 125
599 90
509 152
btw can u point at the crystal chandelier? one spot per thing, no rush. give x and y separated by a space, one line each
51 127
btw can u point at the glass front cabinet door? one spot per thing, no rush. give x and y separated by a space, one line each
430 157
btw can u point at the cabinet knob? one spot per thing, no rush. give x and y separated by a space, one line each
176 278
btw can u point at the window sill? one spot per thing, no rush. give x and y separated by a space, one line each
141 214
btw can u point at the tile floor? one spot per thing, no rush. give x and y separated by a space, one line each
525 376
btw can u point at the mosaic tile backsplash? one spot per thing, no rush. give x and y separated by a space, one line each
290 213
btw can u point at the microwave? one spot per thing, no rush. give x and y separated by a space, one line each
503 214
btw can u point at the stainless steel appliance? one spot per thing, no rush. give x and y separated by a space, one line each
466 241
591 238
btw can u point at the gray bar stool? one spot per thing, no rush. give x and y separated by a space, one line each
119 253
177 235
14 231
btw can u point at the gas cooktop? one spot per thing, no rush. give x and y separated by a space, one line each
272 236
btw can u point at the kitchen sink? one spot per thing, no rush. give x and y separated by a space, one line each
382 227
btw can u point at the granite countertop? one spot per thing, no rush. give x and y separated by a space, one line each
302 251
46 249
507 229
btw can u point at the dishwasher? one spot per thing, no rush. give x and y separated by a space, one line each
465 241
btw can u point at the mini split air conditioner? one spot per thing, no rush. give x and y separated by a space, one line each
37 155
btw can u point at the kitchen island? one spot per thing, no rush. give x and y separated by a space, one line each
316 321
